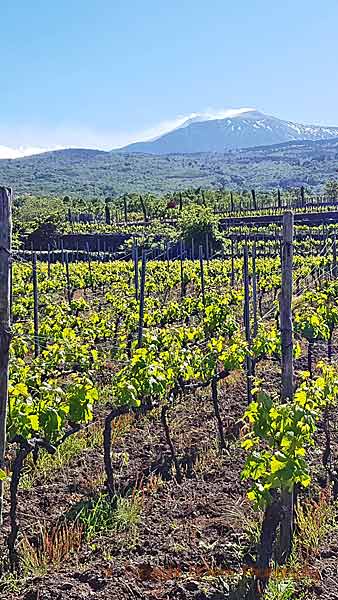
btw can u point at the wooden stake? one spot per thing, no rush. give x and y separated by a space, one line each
142 297
232 264
285 308
202 273
144 210
89 267
247 322
36 307
334 252
214 396
286 528
48 259
136 273
5 334
125 208
69 296
207 247
182 269
107 213
254 289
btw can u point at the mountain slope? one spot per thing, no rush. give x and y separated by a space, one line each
91 173
244 130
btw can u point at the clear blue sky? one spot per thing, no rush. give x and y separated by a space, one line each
103 72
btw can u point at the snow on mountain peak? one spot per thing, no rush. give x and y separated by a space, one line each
212 115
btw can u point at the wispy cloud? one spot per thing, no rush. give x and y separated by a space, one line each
68 137
166 126
6 152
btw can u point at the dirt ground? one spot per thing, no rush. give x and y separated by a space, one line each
192 541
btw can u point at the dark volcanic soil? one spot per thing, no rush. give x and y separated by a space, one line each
192 540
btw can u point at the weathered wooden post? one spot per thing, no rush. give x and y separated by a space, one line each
207 247
254 201
254 289
107 212
125 208
142 298
232 263
202 274
334 252
181 200
48 261
5 334
69 295
286 328
231 202
182 269
144 210
136 273
35 306
89 267
247 322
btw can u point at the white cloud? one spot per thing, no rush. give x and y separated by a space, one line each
68 137
6 152
166 126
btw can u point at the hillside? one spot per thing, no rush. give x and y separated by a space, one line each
241 130
88 173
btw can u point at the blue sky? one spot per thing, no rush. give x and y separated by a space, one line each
101 73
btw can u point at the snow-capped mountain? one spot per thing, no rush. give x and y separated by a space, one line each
241 128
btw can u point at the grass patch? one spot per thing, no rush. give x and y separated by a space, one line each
282 590
315 519
102 515
51 548
73 446
11 584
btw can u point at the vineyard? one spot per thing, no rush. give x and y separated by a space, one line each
171 426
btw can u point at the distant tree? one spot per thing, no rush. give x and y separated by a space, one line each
331 189
197 223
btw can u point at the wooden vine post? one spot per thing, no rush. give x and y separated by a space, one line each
247 322
254 200
181 201
254 290
107 212
136 273
182 269
202 274
286 328
69 294
48 260
5 334
125 208
142 298
35 306
334 256
144 210
232 263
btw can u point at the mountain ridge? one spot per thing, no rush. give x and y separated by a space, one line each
91 173
248 128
